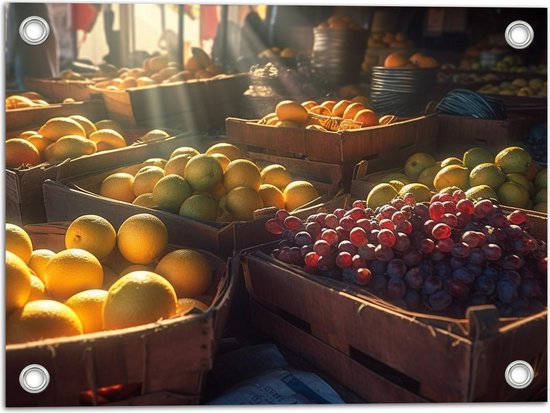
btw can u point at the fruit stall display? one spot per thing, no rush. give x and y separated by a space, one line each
130 297
420 275
219 196
63 146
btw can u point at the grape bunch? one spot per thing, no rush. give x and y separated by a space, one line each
436 257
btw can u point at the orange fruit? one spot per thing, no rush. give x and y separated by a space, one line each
88 306
38 261
119 186
367 117
308 104
189 272
427 62
415 58
199 206
218 192
146 179
170 192
321 110
39 142
242 201
242 172
21 152
56 128
288 110
86 124
329 104
27 134
299 193
145 200
71 271
223 160
38 290
276 175
137 298
111 138
231 151
184 150
108 124
395 60
154 135
340 107
142 238
272 196
42 319
203 172
18 242
361 99
176 164
18 282
91 233
161 163
352 110
71 146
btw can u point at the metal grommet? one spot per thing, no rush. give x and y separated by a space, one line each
519 34
34 30
34 378
519 374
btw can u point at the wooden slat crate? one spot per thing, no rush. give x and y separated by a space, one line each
58 89
24 197
386 354
167 361
18 119
344 148
73 197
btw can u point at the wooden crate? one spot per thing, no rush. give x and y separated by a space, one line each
19 119
57 89
386 354
193 104
24 197
168 361
76 196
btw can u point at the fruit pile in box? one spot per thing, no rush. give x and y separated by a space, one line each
327 116
103 279
218 185
510 177
518 87
439 256
26 100
70 137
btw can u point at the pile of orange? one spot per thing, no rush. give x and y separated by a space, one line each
104 279
218 185
416 60
328 115
337 22
25 100
63 138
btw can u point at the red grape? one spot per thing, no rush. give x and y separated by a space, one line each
458 195
387 211
423 211
434 198
358 237
373 236
445 198
302 238
450 207
314 229
458 289
295 255
449 219
427 246
474 239
402 242
293 223
405 227
356 214
326 262
460 250
396 288
358 262
409 199
311 218
386 238
463 219
343 260
383 253
492 252
281 215
274 226
365 224
517 217
483 208
347 247
387 224
364 276
347 223
367 252
542 265
445 245
320 219
359 204
407 211
339 212
441 231
436 210
330 236
499 221
342 234
429 225
321 247
514 232
397 217
305 249
465 206
397 203
331 221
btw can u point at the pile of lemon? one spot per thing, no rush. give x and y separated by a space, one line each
218 185
103 280
62 138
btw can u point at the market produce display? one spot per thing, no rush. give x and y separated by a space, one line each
510 177
419 60
439 256
218 185
104 279
25 100
517 87
389 40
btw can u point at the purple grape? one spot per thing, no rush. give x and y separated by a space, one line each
485 285
326 262
507 292
414 279
373 236
457 262
477 257
295 256
306 249
476 269
386 238
396 268
388 211
293 223
530 288
378 284
512 276
440 301
460 250
443 269
396 288
441 231
358 203
422 210
404 227
330 236
464 274
426 246
367 252
445 245
479 299
474 239
483 208
412 258
492 252
512 262
437 256
302 238
429 226
383 253
378 267
432 283
412 298
458 289
342 234
314 229
463 219
514 232
499 221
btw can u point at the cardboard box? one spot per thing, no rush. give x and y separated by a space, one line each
167 362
